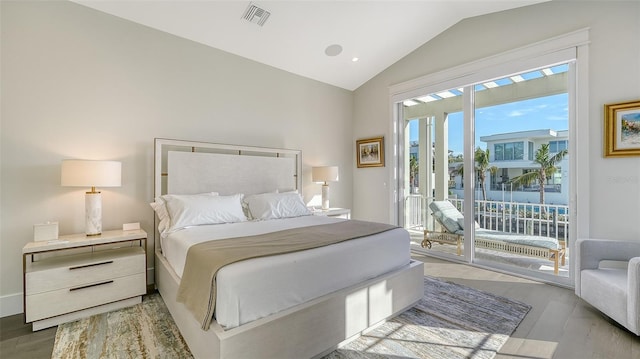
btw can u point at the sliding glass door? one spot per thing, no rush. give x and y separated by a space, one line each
521 201
433 145
496 153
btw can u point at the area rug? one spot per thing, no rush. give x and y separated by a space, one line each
450 321
145 330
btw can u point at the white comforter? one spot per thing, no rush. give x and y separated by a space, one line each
256 288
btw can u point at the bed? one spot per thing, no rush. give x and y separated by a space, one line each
301 304
452 223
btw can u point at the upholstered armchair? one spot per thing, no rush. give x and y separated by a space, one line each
614 290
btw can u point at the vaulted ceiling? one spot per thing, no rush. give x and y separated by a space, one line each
320 40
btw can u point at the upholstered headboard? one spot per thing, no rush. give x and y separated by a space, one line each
188 167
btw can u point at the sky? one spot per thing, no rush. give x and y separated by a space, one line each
549 112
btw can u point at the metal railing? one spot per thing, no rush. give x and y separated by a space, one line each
415 211
512 217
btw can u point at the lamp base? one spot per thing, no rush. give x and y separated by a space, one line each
93 213
325 197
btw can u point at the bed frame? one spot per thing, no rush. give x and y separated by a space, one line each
308 330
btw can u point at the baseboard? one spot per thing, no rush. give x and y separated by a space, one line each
151 276
11 304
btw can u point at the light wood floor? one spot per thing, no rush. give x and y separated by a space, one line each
559 324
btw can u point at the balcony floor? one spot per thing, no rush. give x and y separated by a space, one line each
529 263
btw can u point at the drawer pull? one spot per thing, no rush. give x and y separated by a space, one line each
90 285
90 265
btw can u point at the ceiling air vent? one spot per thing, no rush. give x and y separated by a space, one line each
256 15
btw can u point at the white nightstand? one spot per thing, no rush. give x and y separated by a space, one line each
333 212
67 287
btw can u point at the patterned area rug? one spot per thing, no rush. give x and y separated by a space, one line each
145 330
450 321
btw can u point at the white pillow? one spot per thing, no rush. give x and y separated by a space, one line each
276 205
200 209
245 205
161 210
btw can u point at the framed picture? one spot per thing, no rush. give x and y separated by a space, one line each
622 129
370 152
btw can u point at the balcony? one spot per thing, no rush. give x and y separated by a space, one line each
526 218
511 217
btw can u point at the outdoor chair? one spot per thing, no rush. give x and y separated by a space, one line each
452 223
608 278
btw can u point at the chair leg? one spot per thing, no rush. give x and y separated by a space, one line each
426 244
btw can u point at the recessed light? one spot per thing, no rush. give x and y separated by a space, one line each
355 59
333 50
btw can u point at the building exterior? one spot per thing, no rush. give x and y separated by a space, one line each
513 154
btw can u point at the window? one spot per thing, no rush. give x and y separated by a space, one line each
530 156
509 151
557 146
498 152
518 150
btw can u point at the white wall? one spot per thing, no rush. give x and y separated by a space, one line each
614 70
77 83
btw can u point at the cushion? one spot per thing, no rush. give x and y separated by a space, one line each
276 205
447 215
518 238
201 209
461 224
596 282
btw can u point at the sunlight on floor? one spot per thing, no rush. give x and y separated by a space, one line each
446 269
529 263
535 349
431 340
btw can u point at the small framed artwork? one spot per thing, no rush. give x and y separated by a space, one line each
370 152
622 129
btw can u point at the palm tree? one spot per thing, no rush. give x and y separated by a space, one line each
481 166
413 171
548 166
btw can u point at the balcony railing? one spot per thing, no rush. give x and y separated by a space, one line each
512 217
530 188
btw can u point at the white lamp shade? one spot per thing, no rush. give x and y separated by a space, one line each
85 173
324 174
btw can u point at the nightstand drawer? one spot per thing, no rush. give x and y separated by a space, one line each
72 271
57 302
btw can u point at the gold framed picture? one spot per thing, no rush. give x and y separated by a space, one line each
622 129
370 152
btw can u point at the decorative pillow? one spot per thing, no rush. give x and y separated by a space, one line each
276 205
204 208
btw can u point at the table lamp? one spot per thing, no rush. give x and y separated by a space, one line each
325 174
86 173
